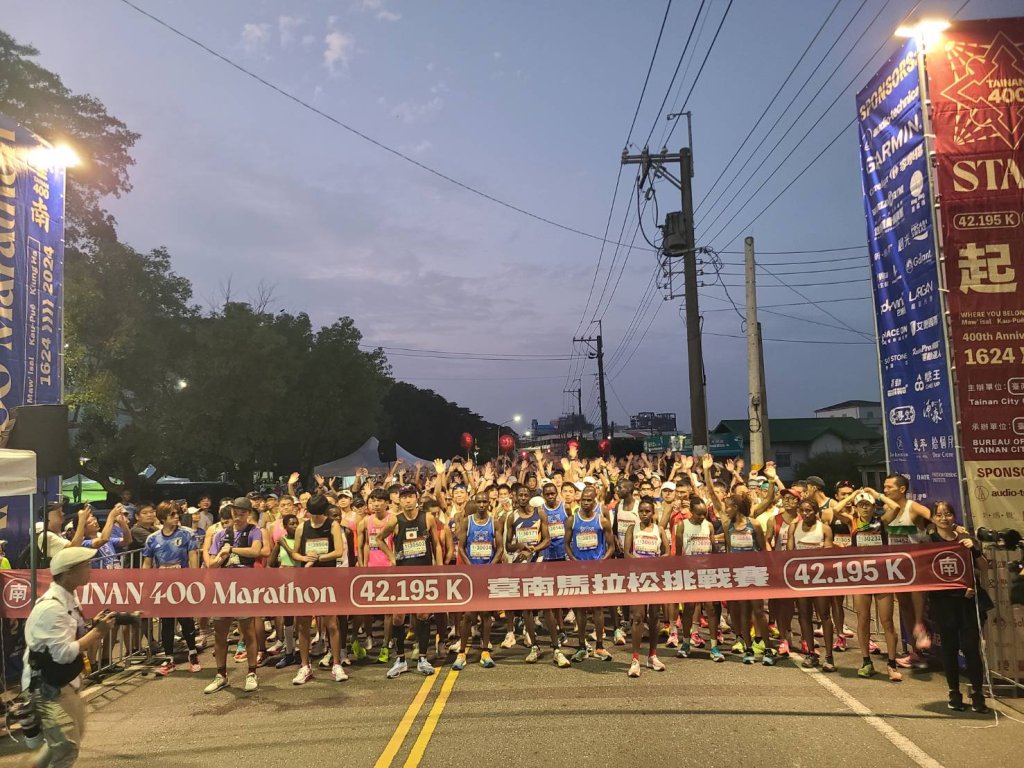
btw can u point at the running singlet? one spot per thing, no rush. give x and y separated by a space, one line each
646 543
697 539
526 530
840 532
283 557
624 518
170 551
375 557
480 541
742 540
782 532
903 531
812 539
244 538
870 534
316 540
556 531
587 540
412 541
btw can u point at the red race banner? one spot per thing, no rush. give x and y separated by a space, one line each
976 83
353 591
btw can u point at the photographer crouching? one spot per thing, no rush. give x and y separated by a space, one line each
56 639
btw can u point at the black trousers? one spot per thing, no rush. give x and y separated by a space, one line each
188 633
961 636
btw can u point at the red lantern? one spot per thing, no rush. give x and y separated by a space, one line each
506 443
467 441
604 445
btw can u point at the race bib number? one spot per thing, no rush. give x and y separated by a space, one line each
166 566
233 561
698 545
647 545
586 540
842 540
481 550
527 535
742 540
869 540
317 547
802 545
556 530
415 548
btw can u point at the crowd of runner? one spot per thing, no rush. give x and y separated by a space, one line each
530 509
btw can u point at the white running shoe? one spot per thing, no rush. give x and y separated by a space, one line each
219 683
509 641
560 661
424 667
653 662
344 660
251 683
398 668
338 673
325 662
634 668
303 676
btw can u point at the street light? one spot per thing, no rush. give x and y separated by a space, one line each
927 31
59 156
181 384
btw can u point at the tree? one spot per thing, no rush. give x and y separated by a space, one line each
832 467
428 425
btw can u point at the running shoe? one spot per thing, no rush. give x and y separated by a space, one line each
384 656
509 641
424 667
847 632
719 638
460 662
620 637
664 630
287 660
559 658
759 647
274 648
193 663
810 661
326 662
873 648
738 647
773 631
570 617
474 632
251 683
451 632
358 651
684 650
562 638
260 658
455 647
783 649
338 673
905 661
804 649
673 638
748 657
634 668
580 656
602 655
343 659
518 625
921 639
165 669
532 656
219 683
717 655
697 641
956 701
303 676
240 653
868 670
486 661
829 665
978 705
703 623
894 674
653 662
839 644
317 648
818 631
723 626
201 640
398 668
769 658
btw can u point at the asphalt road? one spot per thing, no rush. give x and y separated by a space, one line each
695 713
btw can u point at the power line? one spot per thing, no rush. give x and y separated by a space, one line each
647 79
860 266
799 285
618 399
458 355
682 81
860 247
625 363
356 132
786 304
792 341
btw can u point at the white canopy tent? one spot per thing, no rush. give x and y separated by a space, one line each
17 472
364 456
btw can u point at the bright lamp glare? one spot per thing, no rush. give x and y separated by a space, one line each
60 156
928 31
517 418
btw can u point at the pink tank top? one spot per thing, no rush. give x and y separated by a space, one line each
375 556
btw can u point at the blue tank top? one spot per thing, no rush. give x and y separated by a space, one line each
742 540
480 541
587 538
556 530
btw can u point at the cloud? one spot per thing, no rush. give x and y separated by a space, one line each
286 26
411 112
386 15
338 51
497 54
308 39
255 36
416 149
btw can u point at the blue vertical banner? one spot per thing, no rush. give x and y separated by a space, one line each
31 290
916 402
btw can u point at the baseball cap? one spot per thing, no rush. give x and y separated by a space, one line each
242 503
668 485
69 557
790 492
346 492
409 490
864 498
580 485
816 481
588 480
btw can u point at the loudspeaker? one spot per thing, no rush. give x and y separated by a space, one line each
43 429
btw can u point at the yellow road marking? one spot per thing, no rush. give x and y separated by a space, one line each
395 744
420 746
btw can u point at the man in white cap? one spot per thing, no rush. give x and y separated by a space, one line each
56 640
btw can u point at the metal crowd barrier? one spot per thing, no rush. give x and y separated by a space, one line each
1004 630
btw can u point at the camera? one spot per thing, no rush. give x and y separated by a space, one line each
124 618
23 722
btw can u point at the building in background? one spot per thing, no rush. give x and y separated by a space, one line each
653 423
868 412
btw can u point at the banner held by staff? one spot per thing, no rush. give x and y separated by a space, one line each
575 584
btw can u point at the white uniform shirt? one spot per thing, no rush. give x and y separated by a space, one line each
56 622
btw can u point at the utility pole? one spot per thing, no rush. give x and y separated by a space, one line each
755 384
596 346
578 391
680 242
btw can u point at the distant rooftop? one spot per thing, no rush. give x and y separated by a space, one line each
851 404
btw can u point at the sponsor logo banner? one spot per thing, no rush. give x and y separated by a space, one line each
354 591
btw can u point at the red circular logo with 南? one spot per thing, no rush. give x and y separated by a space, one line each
949 566
17 593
